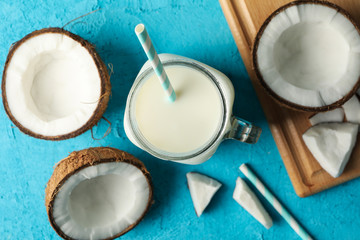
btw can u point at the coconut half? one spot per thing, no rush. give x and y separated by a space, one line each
98 193
307 55
54 84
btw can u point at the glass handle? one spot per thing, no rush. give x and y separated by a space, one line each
243 131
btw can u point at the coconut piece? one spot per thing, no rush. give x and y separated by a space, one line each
202 189
306 55
331 145
248 200
352 110
336 115
98 193
54 84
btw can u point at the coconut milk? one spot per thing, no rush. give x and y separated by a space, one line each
190 129
187 124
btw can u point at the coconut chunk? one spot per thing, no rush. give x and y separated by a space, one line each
336 115
306 55
202 189
352 110
248 200
331 145
98 193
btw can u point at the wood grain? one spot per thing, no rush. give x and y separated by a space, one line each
245 18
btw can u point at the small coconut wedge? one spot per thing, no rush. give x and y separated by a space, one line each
248 200
331 145
306 55
352 110
98 193
202 189
54 84
336 115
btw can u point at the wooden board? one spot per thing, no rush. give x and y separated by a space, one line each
245 18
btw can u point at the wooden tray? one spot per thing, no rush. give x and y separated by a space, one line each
245 18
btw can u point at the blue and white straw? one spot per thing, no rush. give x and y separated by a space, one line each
149 49
274 202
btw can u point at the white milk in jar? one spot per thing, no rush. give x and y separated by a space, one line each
190 129
187 124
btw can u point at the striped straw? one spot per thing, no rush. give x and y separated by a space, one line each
274 202
149 49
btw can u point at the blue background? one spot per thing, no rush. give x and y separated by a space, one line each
196 29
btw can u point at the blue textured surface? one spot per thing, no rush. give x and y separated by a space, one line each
196 29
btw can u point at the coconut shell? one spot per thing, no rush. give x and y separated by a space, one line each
269 91
79 160
104 91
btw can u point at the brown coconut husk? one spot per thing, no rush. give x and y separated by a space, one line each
79 160
269 91
104 91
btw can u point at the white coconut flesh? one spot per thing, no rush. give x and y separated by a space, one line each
202 189
331 144
101 201
244 196
309 55
352 110
52 84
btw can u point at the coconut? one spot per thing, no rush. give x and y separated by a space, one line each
306 56
54 84
331 144
352 110
248 200
98 193
202 189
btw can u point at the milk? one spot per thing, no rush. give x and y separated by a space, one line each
190 129
187 124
